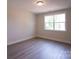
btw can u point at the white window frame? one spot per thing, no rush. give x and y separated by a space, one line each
55 22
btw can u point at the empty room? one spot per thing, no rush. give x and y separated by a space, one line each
38 29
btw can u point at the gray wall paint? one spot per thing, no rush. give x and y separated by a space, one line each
54 35
20 25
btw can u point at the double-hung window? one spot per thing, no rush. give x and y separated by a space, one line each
55 22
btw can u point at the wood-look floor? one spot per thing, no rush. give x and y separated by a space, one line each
39 49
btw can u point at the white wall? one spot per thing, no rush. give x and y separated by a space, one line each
20 24
54 35
23 25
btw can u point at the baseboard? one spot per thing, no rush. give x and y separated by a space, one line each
64 41
40 37
27 38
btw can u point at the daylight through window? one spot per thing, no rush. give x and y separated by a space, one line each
55 22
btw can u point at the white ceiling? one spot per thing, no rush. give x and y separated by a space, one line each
50 5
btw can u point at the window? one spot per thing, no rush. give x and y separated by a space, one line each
55 22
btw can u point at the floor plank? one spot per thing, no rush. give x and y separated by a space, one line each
39 49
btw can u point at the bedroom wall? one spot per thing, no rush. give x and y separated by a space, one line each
20 24
63 36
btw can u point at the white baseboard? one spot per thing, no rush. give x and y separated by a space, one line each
27 38
40 37
65 41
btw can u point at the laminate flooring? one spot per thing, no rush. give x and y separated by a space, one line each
39 49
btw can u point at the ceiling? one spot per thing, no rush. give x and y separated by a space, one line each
50 5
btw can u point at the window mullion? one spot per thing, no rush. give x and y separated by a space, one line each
53 22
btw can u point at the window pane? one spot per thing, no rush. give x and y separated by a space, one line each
48 18
59 18
55 22
60 26
49 26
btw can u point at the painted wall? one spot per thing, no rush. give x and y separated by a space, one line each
63 36
23 24
20 24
